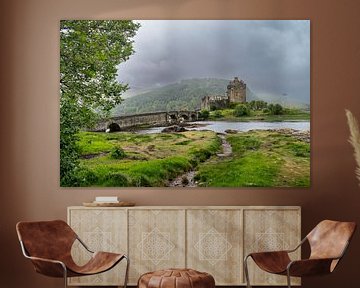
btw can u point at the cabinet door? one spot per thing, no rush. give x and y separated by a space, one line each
156 240
214 244
101 230
270 230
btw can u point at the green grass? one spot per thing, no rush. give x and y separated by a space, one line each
149 160
135 173
255 169
260 159
289 115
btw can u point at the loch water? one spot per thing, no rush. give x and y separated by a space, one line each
221 126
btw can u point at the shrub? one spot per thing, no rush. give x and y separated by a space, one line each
204 114
257 105
218 114
276 109
117 153
116 180
241 110
232 105
84 177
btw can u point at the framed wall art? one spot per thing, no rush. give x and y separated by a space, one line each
185 103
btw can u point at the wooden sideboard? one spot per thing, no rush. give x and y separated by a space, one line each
211 239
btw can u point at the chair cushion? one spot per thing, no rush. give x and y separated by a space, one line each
272 262
99 262
176 278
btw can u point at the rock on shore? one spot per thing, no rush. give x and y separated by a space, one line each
174 128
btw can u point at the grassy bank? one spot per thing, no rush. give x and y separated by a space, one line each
130 160
260 159
288 115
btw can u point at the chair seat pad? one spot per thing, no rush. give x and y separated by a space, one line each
176 278
272 262
99 262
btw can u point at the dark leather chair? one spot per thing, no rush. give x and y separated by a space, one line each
328 242
48 245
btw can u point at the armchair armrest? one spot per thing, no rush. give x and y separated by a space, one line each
279 252
49 267
83 244
298 246
314 266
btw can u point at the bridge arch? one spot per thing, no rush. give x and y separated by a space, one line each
114 127
172 117
121 123
184 117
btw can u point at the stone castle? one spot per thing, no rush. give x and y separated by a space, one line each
236 93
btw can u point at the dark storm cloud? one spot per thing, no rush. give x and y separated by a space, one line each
273 57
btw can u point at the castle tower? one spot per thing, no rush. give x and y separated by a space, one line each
236 91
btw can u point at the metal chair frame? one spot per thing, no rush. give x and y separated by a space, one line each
288 276
23 249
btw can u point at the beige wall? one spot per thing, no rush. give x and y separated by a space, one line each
29 112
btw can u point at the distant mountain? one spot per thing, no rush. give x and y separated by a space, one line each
183 95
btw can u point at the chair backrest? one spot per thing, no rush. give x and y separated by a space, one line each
329 239
46 239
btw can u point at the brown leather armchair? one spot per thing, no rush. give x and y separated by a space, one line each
328 242
48 245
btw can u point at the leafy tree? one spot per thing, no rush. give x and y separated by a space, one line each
276 109
257 105
213 108
204 114
241 110
270 108
90 52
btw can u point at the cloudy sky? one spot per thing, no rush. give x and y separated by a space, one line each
272 57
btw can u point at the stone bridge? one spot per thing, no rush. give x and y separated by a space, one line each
152 119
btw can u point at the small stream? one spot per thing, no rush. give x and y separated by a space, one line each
187 179
184 180
226 147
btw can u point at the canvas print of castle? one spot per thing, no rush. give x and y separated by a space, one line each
185 103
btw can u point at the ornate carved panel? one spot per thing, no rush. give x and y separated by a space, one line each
214 241
101 230
267 230
209 239
156 240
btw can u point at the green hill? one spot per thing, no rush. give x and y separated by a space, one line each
183 95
